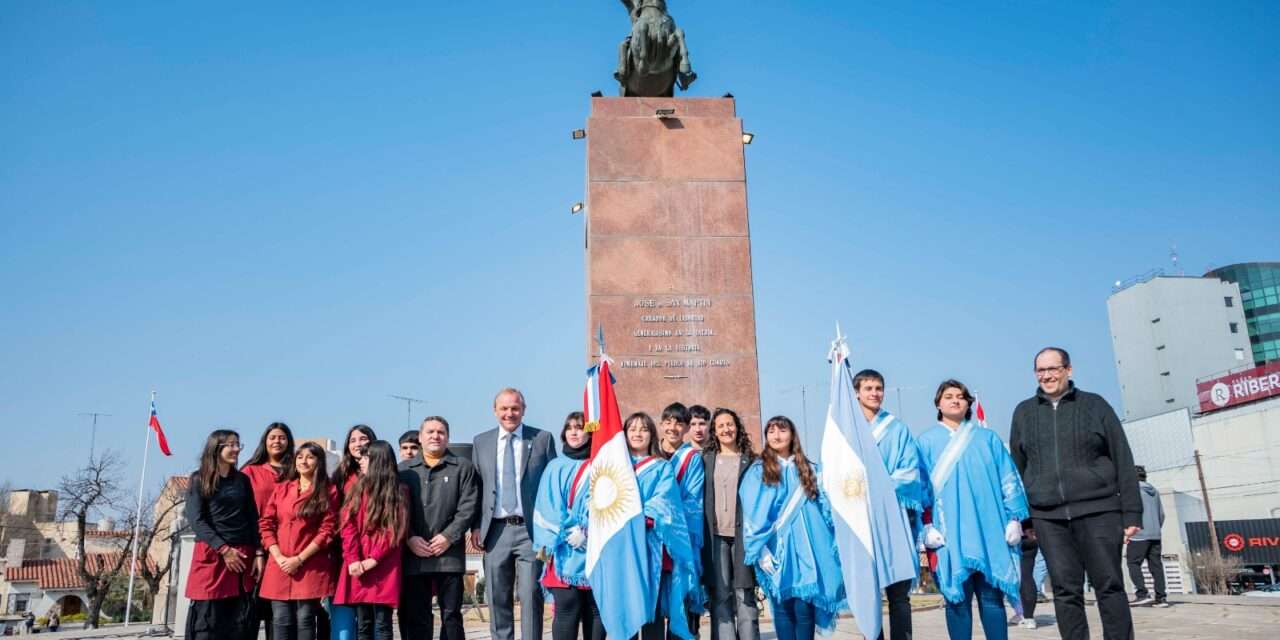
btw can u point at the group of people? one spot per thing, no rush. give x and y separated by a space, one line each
319 554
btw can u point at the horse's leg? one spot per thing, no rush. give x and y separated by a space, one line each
685 69
621 73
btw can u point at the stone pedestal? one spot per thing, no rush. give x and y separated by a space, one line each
668 254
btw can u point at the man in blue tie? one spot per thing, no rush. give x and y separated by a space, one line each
511 459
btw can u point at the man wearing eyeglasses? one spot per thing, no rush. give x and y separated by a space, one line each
1080 480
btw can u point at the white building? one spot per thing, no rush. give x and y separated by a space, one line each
1239 451
1167 331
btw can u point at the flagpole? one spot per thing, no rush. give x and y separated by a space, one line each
137 517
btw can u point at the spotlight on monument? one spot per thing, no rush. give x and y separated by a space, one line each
727 95
579 134
665 113
576 208
597 94
747 137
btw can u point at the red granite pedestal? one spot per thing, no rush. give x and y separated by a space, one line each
668 254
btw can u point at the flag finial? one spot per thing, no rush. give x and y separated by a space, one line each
839 347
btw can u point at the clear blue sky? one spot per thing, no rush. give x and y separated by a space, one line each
270 212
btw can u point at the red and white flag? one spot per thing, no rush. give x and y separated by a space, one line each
980 414
155 426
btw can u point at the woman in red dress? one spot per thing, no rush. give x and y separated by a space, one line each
374 519
342 618
268 465
297 525
227 559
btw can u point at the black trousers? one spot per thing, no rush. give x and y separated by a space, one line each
1088 546
899 596
576 612
373 622
1148 550
1028 590
221 619
294 619
415 606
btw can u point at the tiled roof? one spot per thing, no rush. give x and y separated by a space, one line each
55 574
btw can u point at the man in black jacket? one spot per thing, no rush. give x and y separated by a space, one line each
1078 471
444 497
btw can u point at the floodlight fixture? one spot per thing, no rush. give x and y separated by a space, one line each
665 112
576 208
727 95
579 134
747 137
597 94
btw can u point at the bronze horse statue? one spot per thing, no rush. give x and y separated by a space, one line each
653 58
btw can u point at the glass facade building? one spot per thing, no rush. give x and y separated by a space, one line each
1259 284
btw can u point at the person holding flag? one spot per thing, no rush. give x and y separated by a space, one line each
686 462
670 555
872 532
978 509
901 458
560 535
789 538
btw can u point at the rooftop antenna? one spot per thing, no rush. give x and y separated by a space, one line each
408 408
1173 257
93 433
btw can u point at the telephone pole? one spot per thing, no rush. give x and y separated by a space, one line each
1213 530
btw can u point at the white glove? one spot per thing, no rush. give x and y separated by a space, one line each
933 538
577 538
767 563
1013 532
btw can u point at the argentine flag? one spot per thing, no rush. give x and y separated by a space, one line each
617 556
872 533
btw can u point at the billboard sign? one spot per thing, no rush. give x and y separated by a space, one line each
1252 541
1239 387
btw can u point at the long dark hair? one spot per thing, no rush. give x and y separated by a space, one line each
380 485
773 466
317 503
740 437
207 473
260 455
648 423
348 464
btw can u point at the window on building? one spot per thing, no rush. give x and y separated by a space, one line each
18 603
1229 302
1239 354
1234 326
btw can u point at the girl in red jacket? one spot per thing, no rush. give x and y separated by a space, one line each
374 518
297 524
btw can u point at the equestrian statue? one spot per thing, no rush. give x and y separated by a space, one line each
653 58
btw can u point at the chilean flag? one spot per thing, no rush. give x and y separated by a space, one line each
979 413
617 555
155 426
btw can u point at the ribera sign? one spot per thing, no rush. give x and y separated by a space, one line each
1252 541
1239 387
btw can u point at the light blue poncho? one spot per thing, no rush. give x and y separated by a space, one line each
976 492
901 458
662 505
554 516
799 533
691 475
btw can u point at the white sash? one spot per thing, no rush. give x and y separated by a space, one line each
882 424
945 469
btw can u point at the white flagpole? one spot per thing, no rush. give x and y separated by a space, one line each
137 518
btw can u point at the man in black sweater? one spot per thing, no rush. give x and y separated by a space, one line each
1079 476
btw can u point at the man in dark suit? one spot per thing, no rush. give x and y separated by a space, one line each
444 499
511 459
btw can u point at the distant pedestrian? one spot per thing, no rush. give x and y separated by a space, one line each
55 621
1029 589
1145 545
1080 480
29 622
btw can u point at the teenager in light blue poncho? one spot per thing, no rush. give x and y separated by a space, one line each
560 535
789 536
978 507
901 458
666 532
686 464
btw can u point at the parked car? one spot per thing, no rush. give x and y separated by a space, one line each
1265 591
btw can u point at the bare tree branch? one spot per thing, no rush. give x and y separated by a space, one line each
96 489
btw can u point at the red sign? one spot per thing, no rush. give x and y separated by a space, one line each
1239 387
1233 542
